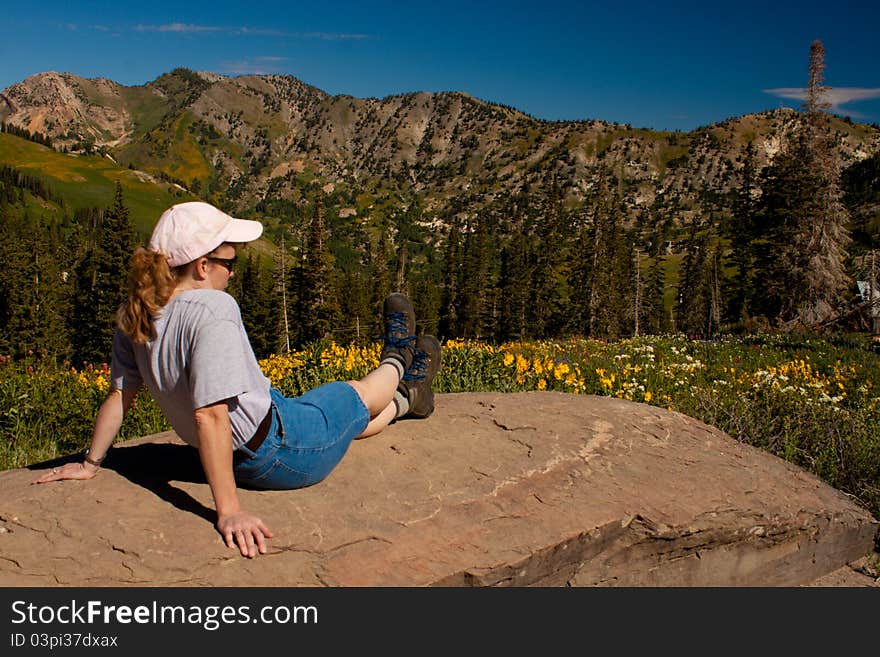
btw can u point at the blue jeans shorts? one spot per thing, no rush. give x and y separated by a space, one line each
307 438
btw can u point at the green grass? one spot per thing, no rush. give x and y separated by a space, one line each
671 277
147 108
602 142
669 153
188 161
90 181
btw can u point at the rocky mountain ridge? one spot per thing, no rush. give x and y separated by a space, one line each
258 137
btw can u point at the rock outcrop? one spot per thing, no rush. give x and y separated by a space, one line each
493 489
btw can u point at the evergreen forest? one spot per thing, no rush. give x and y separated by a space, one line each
793 247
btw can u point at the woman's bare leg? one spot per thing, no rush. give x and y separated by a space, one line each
377 388
380 421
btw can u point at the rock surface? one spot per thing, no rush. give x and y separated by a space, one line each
531 488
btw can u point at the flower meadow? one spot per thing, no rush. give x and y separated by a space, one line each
812 401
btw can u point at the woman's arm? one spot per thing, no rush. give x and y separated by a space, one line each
107 424
215 451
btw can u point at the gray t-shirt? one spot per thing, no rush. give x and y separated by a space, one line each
200 355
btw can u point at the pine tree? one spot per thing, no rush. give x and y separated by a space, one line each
477 308
260 303
379 257
352 253
802 247
407 237
452 266
102 284
427 289
607 259
584 263
514 284
639 291
621 285
655 318
317 309
599 245
741 233
551 313
861 184
51 291
695 290
427 297
787 204
416 264
33 289
354 303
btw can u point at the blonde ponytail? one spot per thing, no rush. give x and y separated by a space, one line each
151 283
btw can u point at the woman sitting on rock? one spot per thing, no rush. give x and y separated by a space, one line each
180 334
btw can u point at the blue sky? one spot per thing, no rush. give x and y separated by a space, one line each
674 65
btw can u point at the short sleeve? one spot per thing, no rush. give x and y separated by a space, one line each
217 367
124 373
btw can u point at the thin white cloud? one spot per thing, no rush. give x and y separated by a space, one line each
178 27
835 96
255 31
333 36
188 28
254 66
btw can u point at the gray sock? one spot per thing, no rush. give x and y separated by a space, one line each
402 403
397 364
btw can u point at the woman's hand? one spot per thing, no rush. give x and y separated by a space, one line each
245 530
68 471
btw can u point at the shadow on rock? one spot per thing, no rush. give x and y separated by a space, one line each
153 466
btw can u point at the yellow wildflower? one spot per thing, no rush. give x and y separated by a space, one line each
560 371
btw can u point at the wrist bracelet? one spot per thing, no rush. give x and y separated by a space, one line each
96 463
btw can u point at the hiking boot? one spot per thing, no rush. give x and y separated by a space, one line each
400 329
417 379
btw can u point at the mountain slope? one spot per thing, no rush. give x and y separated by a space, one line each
250 138
90 181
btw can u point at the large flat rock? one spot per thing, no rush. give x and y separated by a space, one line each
531 488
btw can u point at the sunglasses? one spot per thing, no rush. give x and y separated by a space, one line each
229 263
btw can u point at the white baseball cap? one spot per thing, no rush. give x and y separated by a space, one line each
187 231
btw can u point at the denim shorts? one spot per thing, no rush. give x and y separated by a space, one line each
307 438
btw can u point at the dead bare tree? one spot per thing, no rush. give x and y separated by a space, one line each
825 232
